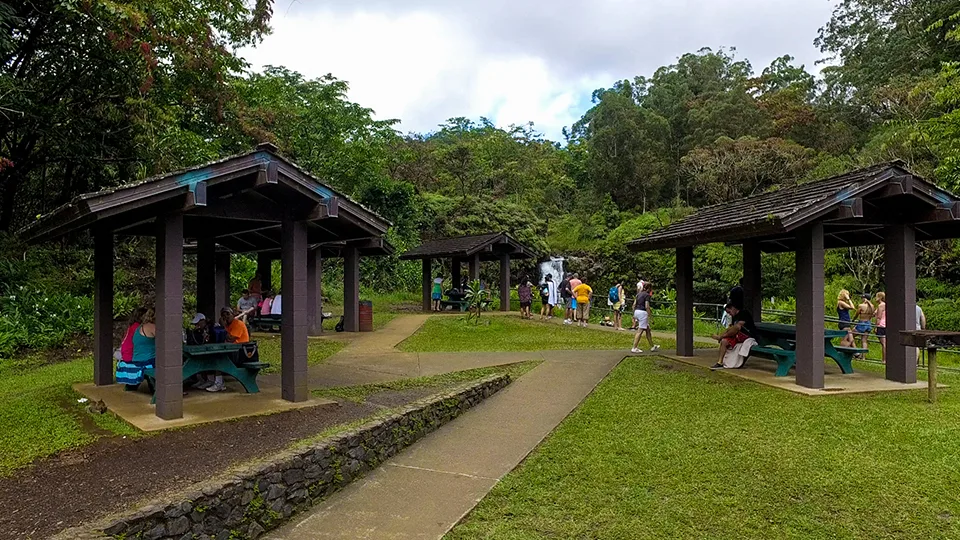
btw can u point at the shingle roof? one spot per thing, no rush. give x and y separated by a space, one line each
465 246
784 210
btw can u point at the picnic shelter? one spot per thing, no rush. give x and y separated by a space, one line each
255 202
474 250
885 204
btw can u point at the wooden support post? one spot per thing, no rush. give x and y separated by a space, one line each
753 297
169 311
505 282
475 267
222 264
265 271
932 374
900 273
207 279
685 301
351 289
103 307
427 286
293 315
314 293
810 307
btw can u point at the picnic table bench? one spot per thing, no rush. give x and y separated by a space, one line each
226 358
779 343
265 323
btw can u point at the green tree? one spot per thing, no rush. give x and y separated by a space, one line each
101 91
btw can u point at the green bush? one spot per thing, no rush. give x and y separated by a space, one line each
942 314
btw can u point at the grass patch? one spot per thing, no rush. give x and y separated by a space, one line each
361 392
454 334
318 351
40 416
663 451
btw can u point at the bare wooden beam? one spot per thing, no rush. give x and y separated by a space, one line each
266 174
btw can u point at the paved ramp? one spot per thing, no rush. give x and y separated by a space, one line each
426 489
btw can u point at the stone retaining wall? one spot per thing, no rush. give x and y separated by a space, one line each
261 496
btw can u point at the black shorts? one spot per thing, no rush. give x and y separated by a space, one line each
881 331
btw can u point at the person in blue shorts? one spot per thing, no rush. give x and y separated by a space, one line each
865 313
437 292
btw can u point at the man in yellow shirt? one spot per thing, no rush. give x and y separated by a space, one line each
583 293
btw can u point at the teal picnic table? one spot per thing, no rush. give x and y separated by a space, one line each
779 342
224 358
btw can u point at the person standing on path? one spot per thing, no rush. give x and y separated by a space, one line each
882 325
844 305
641 314
574 283
550 299
583 294
525 293
865 313
437 293
615 299
566 297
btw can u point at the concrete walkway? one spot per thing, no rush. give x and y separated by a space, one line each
426 489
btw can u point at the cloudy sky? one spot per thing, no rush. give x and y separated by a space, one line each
514 61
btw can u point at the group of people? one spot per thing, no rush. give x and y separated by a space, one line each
138 350
868 317
571 295
255 302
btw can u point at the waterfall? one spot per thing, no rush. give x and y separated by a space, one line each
554 267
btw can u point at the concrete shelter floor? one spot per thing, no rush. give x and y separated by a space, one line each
199 406
762 370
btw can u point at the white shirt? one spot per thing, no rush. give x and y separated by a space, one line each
919 317
552 298
275 307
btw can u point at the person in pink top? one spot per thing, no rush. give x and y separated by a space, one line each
572 310
266 304
882 324
126 346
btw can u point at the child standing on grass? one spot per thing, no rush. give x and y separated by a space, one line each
525 292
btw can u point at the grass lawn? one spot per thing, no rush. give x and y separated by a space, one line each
663 451
360 393
504 333
39 413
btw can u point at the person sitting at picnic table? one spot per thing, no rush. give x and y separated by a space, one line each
276 305
144 355
865 312
200 334
264 308
236 333
125 352
741 328
844 305
246 306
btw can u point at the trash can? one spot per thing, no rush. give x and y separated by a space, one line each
366 316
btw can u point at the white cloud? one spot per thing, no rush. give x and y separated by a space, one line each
513 61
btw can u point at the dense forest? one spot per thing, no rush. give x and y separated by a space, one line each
96 93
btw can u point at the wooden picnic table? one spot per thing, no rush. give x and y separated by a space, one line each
931 340
779 341
226 358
